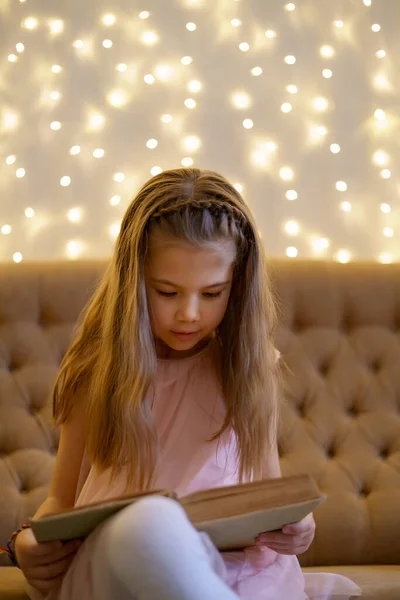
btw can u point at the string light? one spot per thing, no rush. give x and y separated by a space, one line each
190 103
130 82
117 98
17 257
292 228
327 51
74 215
151 144
343 256
74 249
108 19
320 103
386 258
156 170
380 158
286 173
345 206
149 38
291 195
56 26
30 23
194 86
248 124
319 244
286 107
292 252
241 100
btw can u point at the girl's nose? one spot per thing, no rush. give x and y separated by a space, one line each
189 311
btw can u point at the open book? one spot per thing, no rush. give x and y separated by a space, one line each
232 516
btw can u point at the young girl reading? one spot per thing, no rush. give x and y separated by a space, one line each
172 382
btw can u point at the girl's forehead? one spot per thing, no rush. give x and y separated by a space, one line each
173 259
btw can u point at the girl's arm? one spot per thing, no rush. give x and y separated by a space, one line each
68 463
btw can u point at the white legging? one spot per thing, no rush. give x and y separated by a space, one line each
150 551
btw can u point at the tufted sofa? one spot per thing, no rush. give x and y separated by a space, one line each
340 345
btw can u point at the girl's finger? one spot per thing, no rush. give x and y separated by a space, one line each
65 550
54 569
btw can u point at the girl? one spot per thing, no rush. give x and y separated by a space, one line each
171 382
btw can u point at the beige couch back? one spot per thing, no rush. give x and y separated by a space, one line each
340 347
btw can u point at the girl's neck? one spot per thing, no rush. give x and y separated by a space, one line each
166 353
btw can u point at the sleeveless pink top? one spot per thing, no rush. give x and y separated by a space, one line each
188 409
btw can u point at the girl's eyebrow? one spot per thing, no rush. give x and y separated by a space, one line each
213 285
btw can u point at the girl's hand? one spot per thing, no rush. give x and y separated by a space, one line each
291 539
44 565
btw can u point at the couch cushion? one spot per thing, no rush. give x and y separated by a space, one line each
12 584
376 582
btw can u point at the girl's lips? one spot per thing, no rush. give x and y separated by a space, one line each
185 334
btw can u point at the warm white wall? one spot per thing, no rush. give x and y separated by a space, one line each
361 83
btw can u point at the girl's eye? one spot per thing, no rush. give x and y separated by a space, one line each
211 295
166 294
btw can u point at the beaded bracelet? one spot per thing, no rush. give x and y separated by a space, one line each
9 550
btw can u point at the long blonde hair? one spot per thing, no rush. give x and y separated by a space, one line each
113 354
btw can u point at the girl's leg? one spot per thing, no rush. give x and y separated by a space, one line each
150 551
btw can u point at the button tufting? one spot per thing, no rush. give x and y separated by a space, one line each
353 411
331 452
384 453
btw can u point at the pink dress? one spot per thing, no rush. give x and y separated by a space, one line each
187 409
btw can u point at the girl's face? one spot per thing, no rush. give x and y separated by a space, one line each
188 289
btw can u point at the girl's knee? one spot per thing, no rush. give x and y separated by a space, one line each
146 519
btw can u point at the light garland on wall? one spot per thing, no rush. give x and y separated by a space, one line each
267 153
